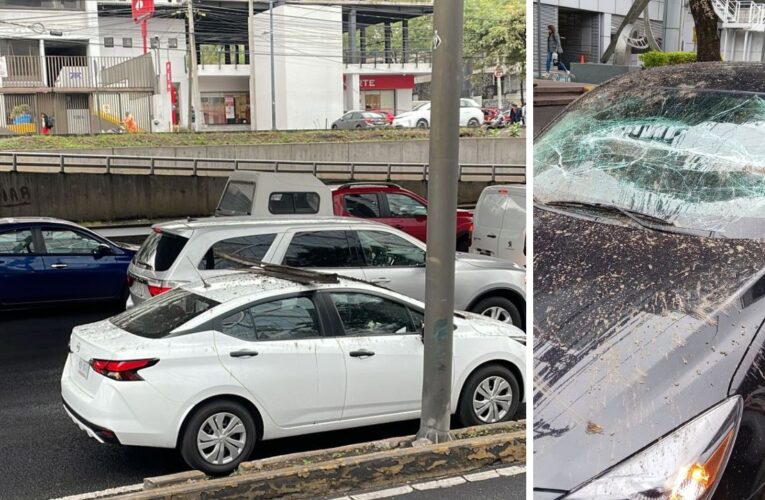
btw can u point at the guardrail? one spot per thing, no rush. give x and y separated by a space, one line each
64 163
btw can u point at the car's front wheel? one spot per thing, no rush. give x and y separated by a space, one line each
473 122
490 395
499 308
218 437
422 123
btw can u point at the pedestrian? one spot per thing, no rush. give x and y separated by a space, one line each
129 123
523 115
46 124
515 113
554 49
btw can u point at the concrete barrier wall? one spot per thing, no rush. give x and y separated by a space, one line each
480 150
104 198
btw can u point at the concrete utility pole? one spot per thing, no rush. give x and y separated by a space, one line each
251 46
442 205
273 77
195 104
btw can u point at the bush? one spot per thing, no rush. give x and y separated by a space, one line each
654 58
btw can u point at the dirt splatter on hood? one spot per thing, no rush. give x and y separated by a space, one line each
636 332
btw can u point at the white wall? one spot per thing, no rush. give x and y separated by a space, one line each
124 27
308 69
73 24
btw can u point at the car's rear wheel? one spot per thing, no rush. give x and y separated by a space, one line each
422 123
218 437
499 308
490 395
473 122
334 127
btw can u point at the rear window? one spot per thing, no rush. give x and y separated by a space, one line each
320 249
159 251
293 203
237 253
158 317
237 199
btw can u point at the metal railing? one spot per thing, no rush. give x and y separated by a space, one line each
382 57
33 162
745 13
78 72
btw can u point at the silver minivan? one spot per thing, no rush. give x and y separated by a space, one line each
499 224
183 251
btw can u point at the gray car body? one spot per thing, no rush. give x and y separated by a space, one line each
477 277
356 119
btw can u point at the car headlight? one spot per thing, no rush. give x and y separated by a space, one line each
687 464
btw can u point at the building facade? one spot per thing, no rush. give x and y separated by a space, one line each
84 63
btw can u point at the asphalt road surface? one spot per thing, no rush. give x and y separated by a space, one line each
44 455
502 488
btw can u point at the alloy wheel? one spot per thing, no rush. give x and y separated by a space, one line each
221 438
492 399
498 313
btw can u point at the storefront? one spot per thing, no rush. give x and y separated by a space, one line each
387 92
226 108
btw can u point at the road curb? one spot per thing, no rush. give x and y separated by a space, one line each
349 468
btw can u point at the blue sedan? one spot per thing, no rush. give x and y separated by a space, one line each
50 261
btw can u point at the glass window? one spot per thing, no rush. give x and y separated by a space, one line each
158 317
172 43
154 43
226 108
286 319
237 199
159 251
365 205
108 41
401 205
127 43
383 249
66 241
320 249
293 203
237 253
18 241
363 314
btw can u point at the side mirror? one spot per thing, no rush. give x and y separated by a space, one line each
102 251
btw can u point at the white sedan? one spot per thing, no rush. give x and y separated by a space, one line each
213 367
470 115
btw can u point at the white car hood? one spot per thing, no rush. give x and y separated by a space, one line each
492 328
484 261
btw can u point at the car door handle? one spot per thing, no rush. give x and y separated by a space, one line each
380 280
58 266
243 354
363 353
491 236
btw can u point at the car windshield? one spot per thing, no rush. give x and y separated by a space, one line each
694 158
421 106
160 316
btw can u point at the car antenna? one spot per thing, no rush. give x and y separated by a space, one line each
204 283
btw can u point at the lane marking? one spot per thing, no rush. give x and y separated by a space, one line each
481 476
104 493
439 483
390 492
513 470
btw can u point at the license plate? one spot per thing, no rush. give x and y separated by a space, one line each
83 367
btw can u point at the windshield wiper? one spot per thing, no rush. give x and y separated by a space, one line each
646 221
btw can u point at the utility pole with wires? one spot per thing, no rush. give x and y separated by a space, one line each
273 77
443 177
251 45
195 104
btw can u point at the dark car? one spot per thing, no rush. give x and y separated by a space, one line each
649 288
48 261
360 119
395 206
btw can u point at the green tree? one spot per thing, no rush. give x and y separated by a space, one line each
495 33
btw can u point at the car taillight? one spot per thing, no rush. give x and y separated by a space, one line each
155 290
121 370
129 280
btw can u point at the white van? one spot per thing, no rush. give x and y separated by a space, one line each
499 223
266 193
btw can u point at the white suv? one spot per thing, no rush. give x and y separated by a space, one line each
179 252
470 115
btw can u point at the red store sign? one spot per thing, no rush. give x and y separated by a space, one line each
142 9
386 82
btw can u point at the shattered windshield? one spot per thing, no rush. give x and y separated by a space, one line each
694 158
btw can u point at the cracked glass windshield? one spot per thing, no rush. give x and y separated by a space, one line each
694 158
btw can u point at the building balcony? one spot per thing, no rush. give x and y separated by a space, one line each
388 61
34 74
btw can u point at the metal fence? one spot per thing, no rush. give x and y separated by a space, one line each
391 56
153 165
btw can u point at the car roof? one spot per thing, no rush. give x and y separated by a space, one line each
726 76
280 279
36 220
377 186
275 223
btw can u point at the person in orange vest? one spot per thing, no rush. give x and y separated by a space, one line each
129 122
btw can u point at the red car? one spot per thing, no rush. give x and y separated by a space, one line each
393 205
489 114
387 114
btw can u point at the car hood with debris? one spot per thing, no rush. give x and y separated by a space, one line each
636 332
